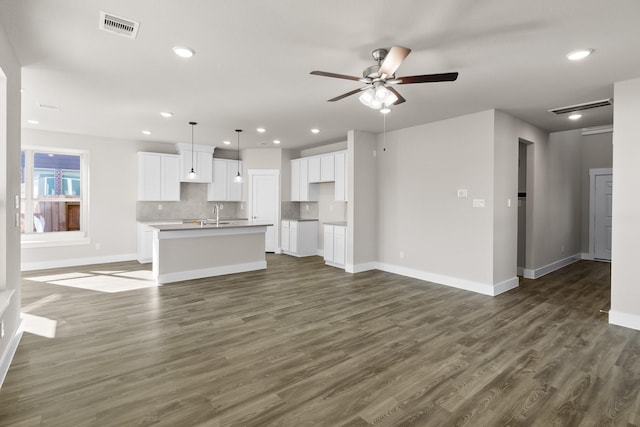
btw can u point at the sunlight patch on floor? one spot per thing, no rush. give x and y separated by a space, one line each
38 325
112 281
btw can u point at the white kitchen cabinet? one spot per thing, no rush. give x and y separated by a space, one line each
314 172
335 245
341 176
224 188
202 162
299 237
301 190
158 177
327 167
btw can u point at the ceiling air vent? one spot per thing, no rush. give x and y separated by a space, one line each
580 107
116 24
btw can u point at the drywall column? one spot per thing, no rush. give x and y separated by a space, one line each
362 212
625 289
9 189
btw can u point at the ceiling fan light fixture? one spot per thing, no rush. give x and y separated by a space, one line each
390 99
375 104
381 93
385 110
367 96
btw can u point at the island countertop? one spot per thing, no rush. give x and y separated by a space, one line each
208 225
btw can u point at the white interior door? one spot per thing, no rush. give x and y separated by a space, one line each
603 213
265 201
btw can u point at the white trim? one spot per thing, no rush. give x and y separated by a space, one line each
10 352
549 268
212 271
592 206
624 319
586 255
358 268
454 282
73 262
507 285
5 299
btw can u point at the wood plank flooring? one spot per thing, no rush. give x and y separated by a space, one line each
303 344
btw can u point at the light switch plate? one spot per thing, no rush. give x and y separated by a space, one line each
462 194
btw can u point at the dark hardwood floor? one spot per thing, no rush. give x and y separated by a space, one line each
303 344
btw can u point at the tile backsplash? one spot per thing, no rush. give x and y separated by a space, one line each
193 204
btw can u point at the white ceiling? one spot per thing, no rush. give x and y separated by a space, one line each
253 59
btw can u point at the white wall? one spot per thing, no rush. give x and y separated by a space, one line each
112 199
423 225
625 290
597 153
10 289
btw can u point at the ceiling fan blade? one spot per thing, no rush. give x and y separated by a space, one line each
428 78
395 92
344 95
335 75
392 61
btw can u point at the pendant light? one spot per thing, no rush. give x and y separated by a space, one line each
238 177
192 174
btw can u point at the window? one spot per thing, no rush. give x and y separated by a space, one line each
53 191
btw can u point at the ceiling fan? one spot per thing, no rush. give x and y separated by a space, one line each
380 78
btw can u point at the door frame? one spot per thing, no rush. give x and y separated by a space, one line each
592 206
273 172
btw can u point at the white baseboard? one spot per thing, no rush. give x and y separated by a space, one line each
454 282
624 319
73 262
359 268
586 255
557 265
212 271
9 352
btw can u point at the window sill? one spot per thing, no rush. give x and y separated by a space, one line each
48 240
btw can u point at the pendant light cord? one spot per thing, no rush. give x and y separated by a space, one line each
384 132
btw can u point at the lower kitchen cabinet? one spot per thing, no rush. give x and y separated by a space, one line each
299 238
335 245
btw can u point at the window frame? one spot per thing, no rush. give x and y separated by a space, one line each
54 238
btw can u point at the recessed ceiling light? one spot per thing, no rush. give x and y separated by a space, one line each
227 142
166 114
146 132
184 52
315 130
276 141
33 122
575 116
579 54
261 130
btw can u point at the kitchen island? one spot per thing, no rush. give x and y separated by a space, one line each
200 249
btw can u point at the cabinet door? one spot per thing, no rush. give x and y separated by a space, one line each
304 180
339 245
340 176
145 243
284 243
295 180
149 172
170 178
314 169
327 168
217 190
234 189
328 243
293 236
205 166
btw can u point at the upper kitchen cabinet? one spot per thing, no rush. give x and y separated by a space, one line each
341 175
223 187
158 177
321 168
201 161
301 191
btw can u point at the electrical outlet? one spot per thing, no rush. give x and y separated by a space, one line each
478 203
159 206
221 206
401 254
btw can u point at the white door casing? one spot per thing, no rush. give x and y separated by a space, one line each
600 207
264 203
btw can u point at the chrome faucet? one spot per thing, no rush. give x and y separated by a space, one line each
216 211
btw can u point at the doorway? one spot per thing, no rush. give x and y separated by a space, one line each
264 202
522 206
600 213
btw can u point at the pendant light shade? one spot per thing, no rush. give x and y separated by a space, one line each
192 173
238 177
